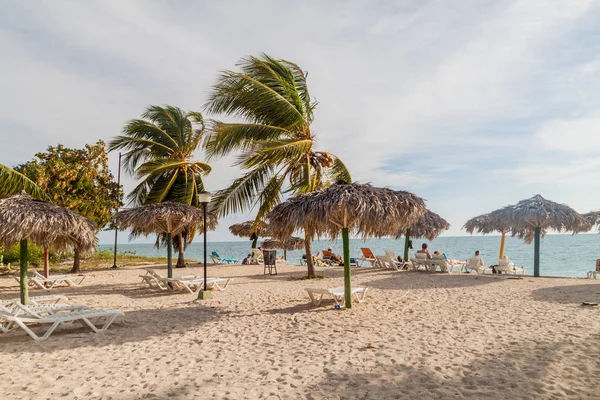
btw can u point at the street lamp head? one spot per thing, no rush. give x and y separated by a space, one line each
204 197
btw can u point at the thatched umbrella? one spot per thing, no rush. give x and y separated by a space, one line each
252 229
430 226
593 217
489 223
23 219
169 218
530 220
291 243
359 208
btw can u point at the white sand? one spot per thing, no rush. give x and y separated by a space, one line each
418 336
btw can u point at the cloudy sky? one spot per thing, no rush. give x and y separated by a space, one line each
470 104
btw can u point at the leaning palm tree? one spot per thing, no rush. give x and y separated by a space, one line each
160 152
12 182
277 145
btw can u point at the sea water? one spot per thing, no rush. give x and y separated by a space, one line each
560 255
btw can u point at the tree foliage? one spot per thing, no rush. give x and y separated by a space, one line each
78 179
12 182
277 145
160 153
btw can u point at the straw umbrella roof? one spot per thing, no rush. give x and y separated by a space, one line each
362 208
244 229
430 226
593 217
24 218
291 243
166 217
522 218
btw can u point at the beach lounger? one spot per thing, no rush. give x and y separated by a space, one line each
594 273
399 265
195 285
476 264
258 256
89 318
214 256
508 267
15 307
420 260
368 256
316 295
58 298
153 280
41 282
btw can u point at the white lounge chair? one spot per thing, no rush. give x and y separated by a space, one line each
258 256
41 282
387 262
508 267
58 298
316 295
393 257
85 317
420 260
476 264
14 307
194 286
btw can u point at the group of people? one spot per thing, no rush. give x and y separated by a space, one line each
424 250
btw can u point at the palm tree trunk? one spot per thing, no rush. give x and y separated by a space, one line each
76 261
347 279
180 260
309 260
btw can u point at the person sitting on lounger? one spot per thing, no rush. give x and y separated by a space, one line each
247 260
450 261
480 261
424 251
334 257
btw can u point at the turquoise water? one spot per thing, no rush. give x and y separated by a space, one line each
561 255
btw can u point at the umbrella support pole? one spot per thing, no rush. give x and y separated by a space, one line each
502 246
536 254
23 271
347 280
170 257
406 243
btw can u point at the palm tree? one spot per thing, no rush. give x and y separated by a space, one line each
160 152
277 146
12 182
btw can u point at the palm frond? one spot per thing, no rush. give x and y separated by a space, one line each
240 195
12 182
339 172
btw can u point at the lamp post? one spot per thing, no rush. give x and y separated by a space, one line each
117 229
204 198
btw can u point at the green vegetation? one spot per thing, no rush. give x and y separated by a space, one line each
12 182
275 139
160 152
78 179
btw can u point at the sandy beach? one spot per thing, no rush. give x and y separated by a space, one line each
417 335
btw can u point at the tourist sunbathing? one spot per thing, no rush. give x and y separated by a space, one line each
449 261
479 260
247 260
424 251
332 256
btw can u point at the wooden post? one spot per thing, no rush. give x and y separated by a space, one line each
170 257
406 242
23 271
347 278
46 262
502 246
536 254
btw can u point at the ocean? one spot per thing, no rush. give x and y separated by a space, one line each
560 255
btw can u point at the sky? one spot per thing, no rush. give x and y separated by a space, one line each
471 105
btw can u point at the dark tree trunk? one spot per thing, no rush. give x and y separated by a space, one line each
309 260
180 257
76 262
180 260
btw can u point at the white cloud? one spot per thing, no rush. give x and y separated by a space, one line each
575 135
433 97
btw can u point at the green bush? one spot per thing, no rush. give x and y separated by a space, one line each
12 255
